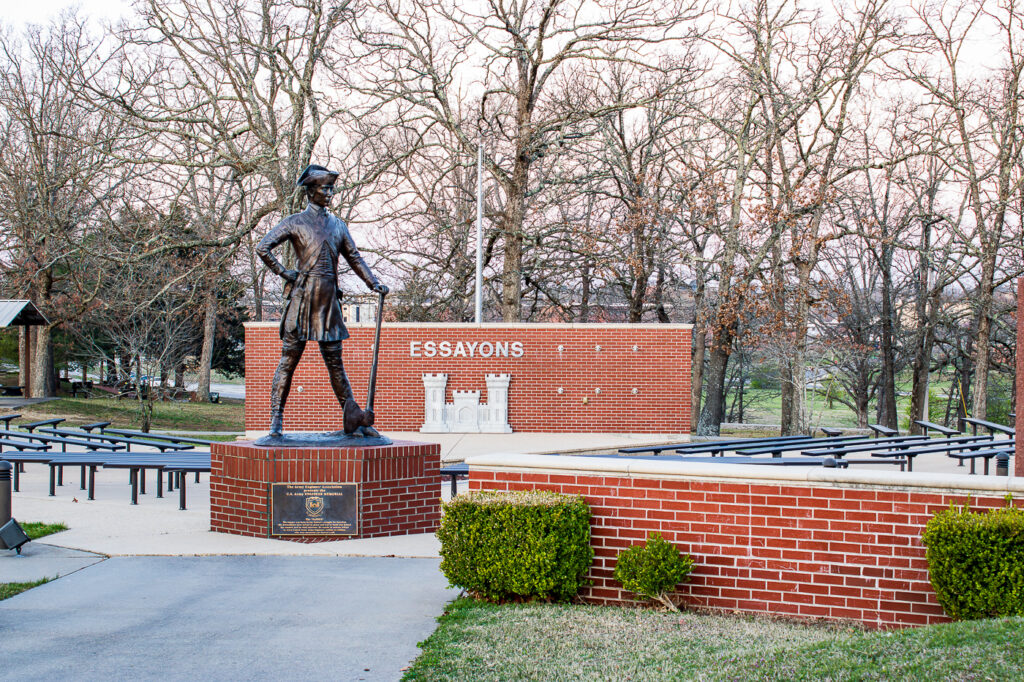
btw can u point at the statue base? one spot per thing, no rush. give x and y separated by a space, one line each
336 439
315 492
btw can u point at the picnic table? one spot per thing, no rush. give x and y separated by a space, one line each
7 418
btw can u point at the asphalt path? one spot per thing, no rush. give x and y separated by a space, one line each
225 618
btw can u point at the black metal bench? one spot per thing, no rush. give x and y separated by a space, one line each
162 446
883 430
899 446
11 391
985 455
938 428
137 463
690 446
179 471
828 443
830 432
159 436
94 425
991 426
7 418
942 446
719 448
454 471
32 426
865 446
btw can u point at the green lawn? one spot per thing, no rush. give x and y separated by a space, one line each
8 590
481 641
227 415
38 529
35 530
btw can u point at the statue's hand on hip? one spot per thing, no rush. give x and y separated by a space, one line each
290 275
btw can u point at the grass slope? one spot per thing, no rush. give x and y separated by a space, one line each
554 642
228 415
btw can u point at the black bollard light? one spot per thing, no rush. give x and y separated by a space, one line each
11 534
1002 464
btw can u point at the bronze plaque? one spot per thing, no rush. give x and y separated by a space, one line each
314 509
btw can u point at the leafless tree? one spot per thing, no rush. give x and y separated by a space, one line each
59 175
418 61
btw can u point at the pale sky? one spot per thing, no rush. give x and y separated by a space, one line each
17 13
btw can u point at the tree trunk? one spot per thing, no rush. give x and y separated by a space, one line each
714 407
981 346
696 375
786 399
206 356
800 420
512 233
42 363
25 360
179 375
887 413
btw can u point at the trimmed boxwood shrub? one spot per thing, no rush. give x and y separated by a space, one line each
653 570
521 545
976 561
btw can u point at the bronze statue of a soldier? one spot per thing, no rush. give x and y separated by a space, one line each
312 310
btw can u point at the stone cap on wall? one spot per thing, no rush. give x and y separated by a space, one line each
739 473
501 325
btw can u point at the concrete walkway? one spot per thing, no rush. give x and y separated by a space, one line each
225 618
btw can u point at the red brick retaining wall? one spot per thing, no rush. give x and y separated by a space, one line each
399 485
848 548
597 368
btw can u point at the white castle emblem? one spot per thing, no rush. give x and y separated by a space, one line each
465 414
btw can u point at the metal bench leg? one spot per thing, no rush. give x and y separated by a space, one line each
92 482
159 483
82 487
455 485
986 465
17 481
181 491
53 475
197 477
972 465
134 475
142 481
60 475
170 481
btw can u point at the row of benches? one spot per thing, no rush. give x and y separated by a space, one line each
887 446
104 447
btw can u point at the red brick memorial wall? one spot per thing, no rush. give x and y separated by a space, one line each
848 548
599 378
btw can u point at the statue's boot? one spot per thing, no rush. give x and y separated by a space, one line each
276 423
279 389
369 432
331 353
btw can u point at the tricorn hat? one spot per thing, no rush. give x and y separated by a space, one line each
314 173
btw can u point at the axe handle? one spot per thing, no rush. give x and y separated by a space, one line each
376 354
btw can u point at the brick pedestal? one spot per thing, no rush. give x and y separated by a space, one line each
399 486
